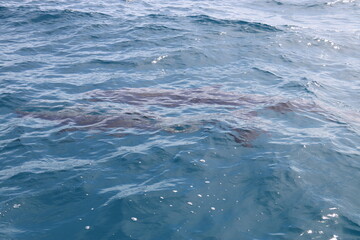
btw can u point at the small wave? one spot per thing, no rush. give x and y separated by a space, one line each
311 4
89 66
25 15
22 66
4 12
43 166
106 62
48 16
243 26
153 31
6 230
266 76
10 101
125 190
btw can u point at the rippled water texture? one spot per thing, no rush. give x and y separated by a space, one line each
179 119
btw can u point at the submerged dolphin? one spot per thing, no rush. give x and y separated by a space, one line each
75 121
96 121
175 98
200 96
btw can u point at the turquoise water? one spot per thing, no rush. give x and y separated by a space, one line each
179 119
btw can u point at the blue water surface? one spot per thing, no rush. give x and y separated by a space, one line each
179 119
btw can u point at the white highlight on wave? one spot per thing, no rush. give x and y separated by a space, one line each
158 59
125 190
340 1
42 166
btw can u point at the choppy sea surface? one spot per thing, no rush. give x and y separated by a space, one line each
180 119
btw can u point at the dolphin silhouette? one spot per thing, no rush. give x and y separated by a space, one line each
95 121
173 98
77 121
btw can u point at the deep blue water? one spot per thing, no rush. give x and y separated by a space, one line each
180 119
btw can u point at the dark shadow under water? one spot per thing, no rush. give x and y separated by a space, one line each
243 107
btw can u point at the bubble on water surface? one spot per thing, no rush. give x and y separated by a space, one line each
17 205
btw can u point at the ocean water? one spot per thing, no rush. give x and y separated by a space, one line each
179 119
